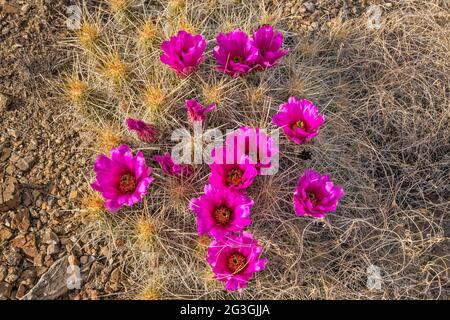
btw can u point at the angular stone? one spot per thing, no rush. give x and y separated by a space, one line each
84 260
52 284
21 291
38 261
5 154
21 220
5 234
27 277
27 243
50 237
52 249
13 259
5 290
114 281
3 273
12 276
25 164
9 195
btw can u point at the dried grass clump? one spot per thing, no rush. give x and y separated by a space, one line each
386 96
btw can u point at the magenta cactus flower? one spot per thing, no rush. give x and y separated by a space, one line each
221 211
196 112
122 179
259 148
299 119
183 52
234 260
269 43
236 176
144 131
169 166
316 195
235 53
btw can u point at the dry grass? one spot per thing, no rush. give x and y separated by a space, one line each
386 96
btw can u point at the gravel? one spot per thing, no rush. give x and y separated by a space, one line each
40 158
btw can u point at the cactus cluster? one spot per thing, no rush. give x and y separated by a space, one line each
144 70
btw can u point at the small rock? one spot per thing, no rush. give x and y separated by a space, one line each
84 259
10 170
21 220
311 7
38 261
50 237
28 276
10 197
52 249
52 284
4 102
114 280
21 291
25 8
5 290
48 261
93 294
12 277
2 273
14 259
13 133
5 234
25 164
5 154
73 194
73 260
27 243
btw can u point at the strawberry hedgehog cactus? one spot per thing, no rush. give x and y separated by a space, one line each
193 101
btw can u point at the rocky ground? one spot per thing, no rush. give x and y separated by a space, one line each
41 158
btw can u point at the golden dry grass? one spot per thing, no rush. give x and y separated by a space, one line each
386 97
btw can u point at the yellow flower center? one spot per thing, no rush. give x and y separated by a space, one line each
127 183
234 177
222 215
299 124
236 262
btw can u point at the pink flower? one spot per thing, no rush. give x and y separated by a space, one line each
315 195
235 260
236 176
269 43
196 112
258 147
170 167
235 53
123 179
221 211
145 132
183 52
299 119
